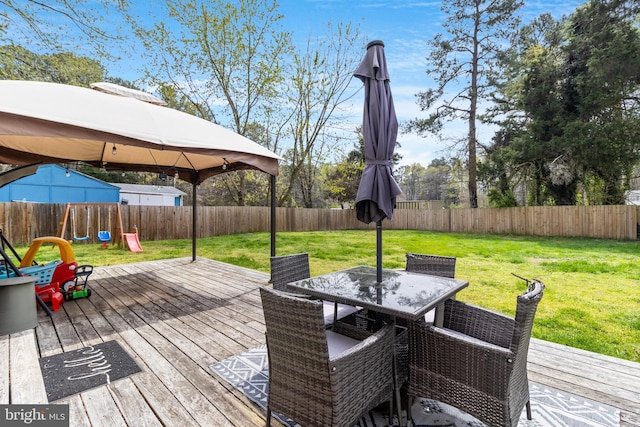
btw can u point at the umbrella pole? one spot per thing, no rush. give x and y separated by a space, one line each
379 318
379 251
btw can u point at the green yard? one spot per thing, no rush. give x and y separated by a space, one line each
592 297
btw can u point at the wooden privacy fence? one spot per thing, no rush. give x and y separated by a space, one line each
22 222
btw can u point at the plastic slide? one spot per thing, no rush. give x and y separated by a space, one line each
132 242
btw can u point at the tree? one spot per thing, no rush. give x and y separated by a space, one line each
603 82
467 62
18 63
431 183
341 181
571 108
318 87
530 118
437 177
232 61
111 176
497 173
227 59
411 180
80 26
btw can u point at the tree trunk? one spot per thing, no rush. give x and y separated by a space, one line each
473 185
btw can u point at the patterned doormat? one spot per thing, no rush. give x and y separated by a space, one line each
249 373
75 371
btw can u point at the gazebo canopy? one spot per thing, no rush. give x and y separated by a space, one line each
56 123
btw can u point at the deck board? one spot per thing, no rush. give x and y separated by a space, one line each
24 370
177 317
161 357
601 378
4 369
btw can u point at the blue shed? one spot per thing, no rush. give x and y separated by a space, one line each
52 184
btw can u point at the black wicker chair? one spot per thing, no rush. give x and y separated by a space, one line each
436 265
478 361
290 268
320 377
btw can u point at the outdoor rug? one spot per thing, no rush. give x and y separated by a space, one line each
249 373
79 370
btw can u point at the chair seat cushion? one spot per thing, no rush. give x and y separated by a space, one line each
343 311
472 340
430 317
338 343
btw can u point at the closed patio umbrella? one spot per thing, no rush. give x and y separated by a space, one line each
378 189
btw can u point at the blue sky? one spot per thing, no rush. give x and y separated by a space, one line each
405 26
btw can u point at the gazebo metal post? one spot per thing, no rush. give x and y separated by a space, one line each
194 222
273 215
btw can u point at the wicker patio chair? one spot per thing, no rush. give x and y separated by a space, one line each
320 377
435 265
478 361
290 268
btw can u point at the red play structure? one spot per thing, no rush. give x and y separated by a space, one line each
56 281
132 240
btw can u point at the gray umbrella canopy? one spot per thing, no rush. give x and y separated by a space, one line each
378 189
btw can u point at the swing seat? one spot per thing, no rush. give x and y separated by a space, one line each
81 237
104 236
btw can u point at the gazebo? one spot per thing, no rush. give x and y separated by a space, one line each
54 123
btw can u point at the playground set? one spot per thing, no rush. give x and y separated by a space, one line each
113 232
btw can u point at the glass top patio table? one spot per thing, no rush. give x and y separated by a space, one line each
403 294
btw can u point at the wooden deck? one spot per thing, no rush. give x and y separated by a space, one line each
176 318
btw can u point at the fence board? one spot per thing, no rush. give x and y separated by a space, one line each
22 222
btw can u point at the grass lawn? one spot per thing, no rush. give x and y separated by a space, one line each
592 296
